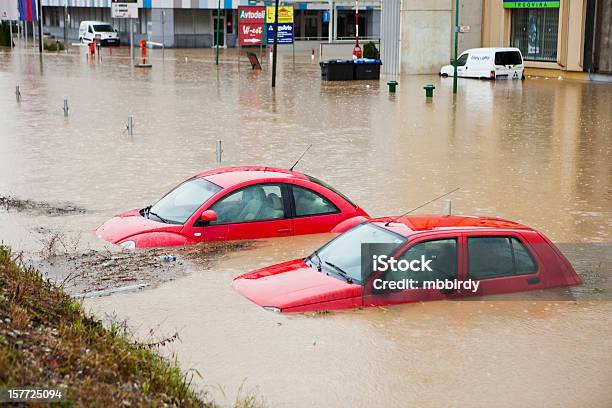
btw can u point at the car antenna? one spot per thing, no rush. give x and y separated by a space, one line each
420 206
298 160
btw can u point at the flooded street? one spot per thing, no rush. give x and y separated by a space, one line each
535 151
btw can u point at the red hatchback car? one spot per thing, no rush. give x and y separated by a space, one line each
234 203
458 255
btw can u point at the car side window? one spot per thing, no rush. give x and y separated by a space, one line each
307 202
90 30
443 265
491 257
462 60
254 203
522 258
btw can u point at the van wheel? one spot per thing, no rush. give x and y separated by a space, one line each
444 75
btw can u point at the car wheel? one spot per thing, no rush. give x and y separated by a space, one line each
444 75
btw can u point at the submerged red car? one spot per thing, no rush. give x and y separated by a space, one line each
234 203
457 255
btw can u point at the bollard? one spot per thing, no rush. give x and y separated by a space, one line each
219 151
65 107
130 125
143 51
312 55
429 88
447 207
392 85
18 94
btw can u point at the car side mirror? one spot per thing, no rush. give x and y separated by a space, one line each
208 215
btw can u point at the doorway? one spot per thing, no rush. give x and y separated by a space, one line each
218 28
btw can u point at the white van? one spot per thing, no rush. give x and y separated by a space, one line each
88 30
488 63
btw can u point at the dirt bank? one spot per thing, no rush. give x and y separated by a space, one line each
46 340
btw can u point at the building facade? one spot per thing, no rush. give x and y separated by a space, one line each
573 36
193 23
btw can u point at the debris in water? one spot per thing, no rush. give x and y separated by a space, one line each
41 207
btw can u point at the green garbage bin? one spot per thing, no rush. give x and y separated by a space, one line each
429 88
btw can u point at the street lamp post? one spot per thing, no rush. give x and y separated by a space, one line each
275 44
456 45
218 34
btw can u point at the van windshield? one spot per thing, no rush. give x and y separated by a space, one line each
103 28
508 58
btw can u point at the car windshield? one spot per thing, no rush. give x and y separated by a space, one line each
179 204
103 28
344 252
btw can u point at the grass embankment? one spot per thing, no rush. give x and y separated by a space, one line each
47 340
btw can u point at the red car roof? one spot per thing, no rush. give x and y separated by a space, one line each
408 225
229 176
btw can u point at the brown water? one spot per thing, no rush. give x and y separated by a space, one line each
536 151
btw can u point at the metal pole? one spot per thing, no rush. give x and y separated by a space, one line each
218 33
293 50
447 209
130 125
330 17
132 41
456 45
40 26
356 26
275 44
163 34
25 29
356 23
65 24
219 151
11 32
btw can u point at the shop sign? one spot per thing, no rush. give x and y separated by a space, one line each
528 4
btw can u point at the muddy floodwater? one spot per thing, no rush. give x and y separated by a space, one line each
535 151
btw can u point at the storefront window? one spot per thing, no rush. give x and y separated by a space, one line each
535 33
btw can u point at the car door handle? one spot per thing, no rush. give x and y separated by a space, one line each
283 230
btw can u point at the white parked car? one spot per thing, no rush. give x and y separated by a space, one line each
488 63
107 35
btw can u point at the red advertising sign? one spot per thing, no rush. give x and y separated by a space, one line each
251 21
250 34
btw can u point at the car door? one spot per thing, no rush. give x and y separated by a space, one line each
89 35
312 212
502 262
255 211
445 261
